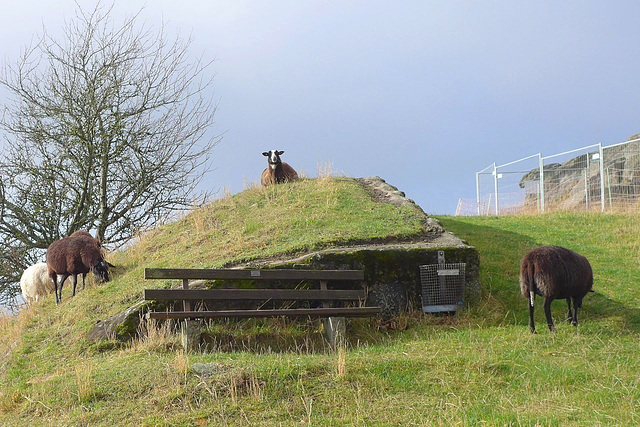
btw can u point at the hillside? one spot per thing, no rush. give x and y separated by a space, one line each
480 366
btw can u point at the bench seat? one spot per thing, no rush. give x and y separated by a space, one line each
290 312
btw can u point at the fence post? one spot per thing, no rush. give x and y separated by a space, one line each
609 190
541 182
586 182
478 191
586 189
495 185
601 175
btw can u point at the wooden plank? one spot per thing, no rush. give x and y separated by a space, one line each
254 294
231 274
186 304
323 287
297 312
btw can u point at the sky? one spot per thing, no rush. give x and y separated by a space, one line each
421 93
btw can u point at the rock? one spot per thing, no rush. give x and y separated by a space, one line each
391 296
207 369
122 326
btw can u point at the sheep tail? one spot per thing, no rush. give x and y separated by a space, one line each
527 280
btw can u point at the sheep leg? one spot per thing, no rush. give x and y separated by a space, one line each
569 314
55 288
576 304
64 277
547 313
532 326
83 276
75 282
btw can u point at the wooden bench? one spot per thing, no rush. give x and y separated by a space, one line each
322 297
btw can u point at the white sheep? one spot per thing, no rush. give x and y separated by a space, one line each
35 282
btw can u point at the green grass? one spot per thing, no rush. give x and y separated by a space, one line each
482 366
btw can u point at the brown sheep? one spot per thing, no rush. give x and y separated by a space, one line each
73 255
278 171
555 272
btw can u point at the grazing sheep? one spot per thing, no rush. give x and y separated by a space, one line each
35 282
555 272
73 255
278 171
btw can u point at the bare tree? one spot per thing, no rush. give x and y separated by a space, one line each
106 130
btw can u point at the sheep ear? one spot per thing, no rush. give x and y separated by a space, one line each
280 153
266 153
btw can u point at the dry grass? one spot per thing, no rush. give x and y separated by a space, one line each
84 383
341 362
324 171
11 330
154 336
180 367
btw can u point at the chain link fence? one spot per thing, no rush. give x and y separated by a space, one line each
590 178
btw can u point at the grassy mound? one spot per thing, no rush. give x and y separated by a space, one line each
482 366
46 344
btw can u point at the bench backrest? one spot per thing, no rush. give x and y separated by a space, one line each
254 294
229 274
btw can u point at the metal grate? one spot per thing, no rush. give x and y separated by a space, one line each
442 286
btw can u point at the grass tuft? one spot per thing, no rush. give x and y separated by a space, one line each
83 374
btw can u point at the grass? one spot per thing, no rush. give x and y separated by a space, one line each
269 222
479 367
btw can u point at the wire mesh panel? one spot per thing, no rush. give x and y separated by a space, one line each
572 180
486 204
442 286
622 176
518 186
467 207
591 178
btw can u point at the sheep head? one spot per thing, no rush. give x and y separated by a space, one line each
101 271
273 157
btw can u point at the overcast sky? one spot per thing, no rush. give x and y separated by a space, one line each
421 93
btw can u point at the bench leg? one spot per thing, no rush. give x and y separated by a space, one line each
335 329
190 330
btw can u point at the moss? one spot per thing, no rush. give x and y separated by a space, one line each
129 327
104 346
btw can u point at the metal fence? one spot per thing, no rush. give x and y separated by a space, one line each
591 178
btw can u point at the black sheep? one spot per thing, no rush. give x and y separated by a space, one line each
555 272
73 255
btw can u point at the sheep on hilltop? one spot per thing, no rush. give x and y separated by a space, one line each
277 171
